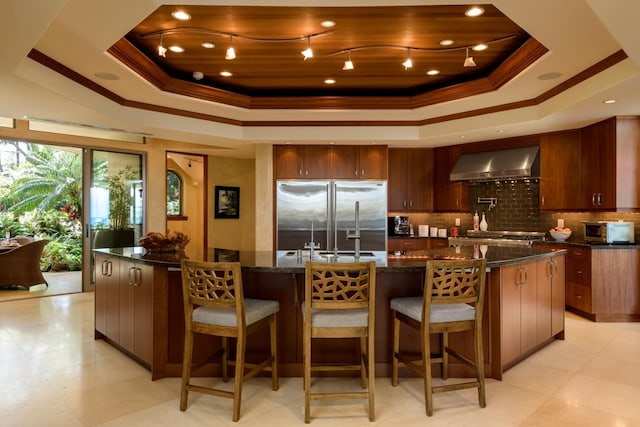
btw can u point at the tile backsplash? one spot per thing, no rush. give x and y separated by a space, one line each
516 209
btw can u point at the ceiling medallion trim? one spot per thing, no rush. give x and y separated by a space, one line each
55 66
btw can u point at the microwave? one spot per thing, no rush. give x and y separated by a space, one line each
609 232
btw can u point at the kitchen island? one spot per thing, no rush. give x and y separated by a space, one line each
139 304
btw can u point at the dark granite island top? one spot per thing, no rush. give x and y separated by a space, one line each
293 262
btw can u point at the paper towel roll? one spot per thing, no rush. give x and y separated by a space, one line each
423 230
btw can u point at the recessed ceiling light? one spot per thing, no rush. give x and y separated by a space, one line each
474 11
176 49
433 72
549 76
480 47
462 137
226 73
500 131
446 42
106 76
610 101
198 75
181 15
329 81
208 45
328 24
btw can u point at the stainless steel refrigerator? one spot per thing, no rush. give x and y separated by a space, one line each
328 208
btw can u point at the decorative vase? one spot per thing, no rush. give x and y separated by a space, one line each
483 224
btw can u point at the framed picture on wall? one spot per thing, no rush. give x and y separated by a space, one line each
227 202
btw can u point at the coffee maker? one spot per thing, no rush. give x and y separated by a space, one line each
398 225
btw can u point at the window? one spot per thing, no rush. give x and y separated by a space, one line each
174 194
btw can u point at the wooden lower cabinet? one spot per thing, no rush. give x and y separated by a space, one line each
408 244
532 307
124 305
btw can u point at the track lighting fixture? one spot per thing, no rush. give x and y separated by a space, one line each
468 61
408 63
348 65
198 75
162 51
231 52
307 53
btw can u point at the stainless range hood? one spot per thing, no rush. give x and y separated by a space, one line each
514 163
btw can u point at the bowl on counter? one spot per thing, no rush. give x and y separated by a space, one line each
560 236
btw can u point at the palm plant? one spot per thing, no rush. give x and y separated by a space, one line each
49 180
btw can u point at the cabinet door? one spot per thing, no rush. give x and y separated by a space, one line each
143 313
545 273
111 282
408 244
127 305
528 306
510 307
317 161
420 179
372 161
598 154
448 196
397 183
558 295
103 276
559 168
344 162
287 160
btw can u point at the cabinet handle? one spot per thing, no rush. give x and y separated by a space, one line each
137 275
593 199
404 203
410 203
362 172
542 200
132 275
599 199
549 267
299 172
110 268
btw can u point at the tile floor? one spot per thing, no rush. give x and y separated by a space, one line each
53 373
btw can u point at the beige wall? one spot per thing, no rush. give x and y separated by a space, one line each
232 233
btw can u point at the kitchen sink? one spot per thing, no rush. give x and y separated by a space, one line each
330 254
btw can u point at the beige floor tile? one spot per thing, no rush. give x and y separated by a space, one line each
54 373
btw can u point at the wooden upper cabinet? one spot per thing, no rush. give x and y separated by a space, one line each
358 162
559 171
302 161
410 184
448 196
610 164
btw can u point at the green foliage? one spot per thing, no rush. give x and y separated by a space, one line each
120 197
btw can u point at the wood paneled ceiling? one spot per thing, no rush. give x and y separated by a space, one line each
274 74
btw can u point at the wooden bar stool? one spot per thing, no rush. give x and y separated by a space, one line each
452 302
214 304
339 303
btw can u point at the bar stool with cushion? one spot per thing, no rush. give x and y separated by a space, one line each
214 304
453 301
339 303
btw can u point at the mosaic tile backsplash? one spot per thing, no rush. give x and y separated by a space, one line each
516 209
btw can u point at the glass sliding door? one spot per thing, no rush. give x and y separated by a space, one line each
114 214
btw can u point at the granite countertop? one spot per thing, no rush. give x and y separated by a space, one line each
580 242
290 262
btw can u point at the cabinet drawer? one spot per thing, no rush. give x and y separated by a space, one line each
579 296
579 272
407 244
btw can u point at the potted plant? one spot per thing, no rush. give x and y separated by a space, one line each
119 233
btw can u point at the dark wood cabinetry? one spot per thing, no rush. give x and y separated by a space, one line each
550 297
330 162
408 244
578 273
302 161
448 196
358 162
123 299
410 184
559 171
610 164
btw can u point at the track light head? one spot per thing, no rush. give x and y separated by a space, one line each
307 53
468 61
348 65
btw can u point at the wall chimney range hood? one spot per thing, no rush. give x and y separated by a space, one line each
514 163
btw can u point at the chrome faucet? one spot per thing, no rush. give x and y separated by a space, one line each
312 246
355 235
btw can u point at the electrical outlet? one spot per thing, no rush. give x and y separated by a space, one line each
560 222
457 222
